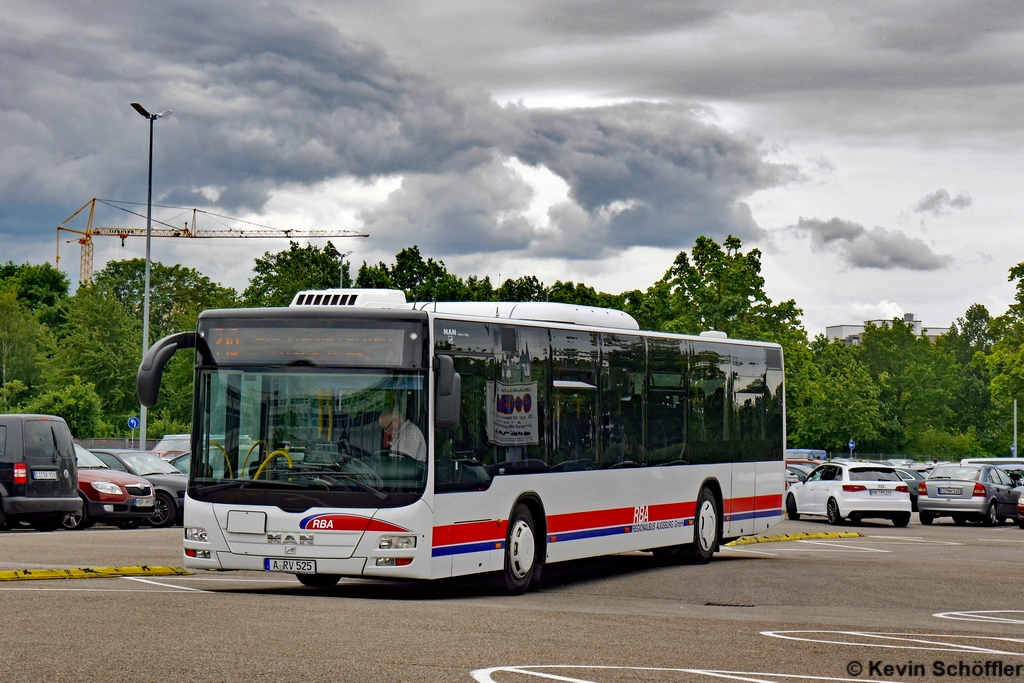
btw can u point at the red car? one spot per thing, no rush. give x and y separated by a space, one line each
108 495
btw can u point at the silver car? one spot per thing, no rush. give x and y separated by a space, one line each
980 493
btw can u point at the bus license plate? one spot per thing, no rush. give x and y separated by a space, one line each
880 492
143 502
950 490
273 564
44 474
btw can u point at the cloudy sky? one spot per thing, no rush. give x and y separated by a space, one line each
871 150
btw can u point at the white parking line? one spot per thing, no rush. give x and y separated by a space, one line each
846 547
1003 540
899 641
487 675
166 585
66 589
744 550
984 615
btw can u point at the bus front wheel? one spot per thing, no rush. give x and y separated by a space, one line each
520 550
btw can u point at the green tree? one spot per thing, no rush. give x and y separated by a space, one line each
176 294
76 402
38 287
100 343
839 399
279 276
20 335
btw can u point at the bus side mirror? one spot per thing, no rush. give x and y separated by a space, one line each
147 381
449 394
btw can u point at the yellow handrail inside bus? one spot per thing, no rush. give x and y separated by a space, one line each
269 458
246 461
227 463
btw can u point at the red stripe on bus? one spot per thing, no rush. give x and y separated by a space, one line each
658 513
751 503
472 532
592 519
495 530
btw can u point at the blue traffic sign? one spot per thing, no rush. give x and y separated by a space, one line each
852 444
1013 448
133 422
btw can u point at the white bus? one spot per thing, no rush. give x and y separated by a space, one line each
354 434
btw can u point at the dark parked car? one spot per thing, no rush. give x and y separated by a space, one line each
181 461
981 493
168 481
38 481
913 479
108 495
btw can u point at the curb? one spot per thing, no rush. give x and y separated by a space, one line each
794 537
87 573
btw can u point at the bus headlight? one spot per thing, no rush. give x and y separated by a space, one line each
193 533
397 542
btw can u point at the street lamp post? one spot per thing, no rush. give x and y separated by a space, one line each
149 235
341 264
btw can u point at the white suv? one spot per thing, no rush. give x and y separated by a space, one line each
849 490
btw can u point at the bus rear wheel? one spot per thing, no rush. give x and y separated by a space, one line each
707 529
520 550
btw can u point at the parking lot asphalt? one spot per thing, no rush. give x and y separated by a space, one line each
815 609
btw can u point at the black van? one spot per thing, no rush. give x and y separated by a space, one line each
38 480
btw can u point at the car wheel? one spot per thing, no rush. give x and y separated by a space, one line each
318 580
901 519
959 519
520 551
926 517
832 512
1020 522
791 510
77 520
165 511
991 516
129 524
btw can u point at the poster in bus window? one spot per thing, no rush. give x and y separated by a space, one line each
512 414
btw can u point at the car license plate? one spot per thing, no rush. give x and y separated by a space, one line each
44 474
273 564
950 490
143 502
880 492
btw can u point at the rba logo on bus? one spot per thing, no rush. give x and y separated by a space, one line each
640 514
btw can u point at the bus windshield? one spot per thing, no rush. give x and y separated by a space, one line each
301 437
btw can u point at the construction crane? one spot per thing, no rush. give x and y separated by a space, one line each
254 230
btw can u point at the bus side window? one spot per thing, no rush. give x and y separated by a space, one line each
666 402
521 398
464 455
623 361
710 403
749 414
574 437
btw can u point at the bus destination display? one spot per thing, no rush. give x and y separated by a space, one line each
317 345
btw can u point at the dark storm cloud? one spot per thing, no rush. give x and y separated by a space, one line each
875 248
939 202
265 97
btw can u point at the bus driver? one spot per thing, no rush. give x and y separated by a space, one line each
406 437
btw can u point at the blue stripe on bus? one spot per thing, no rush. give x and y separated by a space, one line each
757 514
467 548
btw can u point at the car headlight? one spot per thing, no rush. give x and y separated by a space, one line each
108 487
193 533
